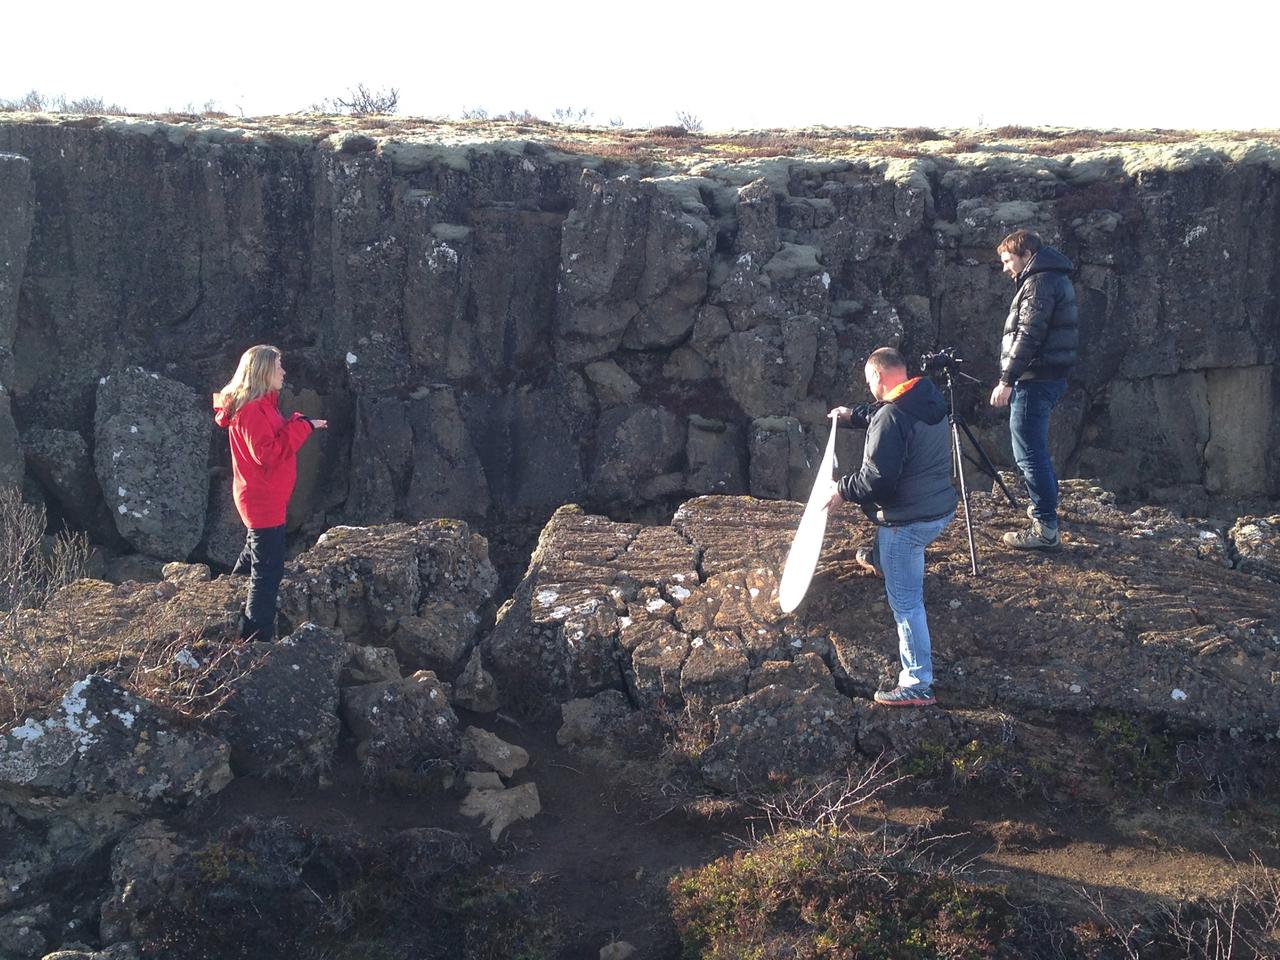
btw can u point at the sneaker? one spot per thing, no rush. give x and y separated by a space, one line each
916 696
1031 511
1036 537
866 560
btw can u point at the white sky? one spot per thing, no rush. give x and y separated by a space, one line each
742 65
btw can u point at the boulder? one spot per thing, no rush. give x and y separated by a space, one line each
22 933
474 689
101 759
907 732
29 861
224 531
590 722
1256 541
151 452
144 866
558 638
368 665
281 718
193 572
60 461
421 590
778 732
402 725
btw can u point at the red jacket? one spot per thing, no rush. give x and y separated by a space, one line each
264 449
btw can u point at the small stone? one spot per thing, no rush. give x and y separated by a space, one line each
500 808
490 749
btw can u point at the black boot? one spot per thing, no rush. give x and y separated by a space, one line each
256 631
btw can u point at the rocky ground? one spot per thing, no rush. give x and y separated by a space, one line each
636 748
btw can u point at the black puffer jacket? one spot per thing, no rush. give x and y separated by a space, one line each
1042 331
906 464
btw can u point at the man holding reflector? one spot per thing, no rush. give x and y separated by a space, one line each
904 487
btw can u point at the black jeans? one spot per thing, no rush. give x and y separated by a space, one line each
263 559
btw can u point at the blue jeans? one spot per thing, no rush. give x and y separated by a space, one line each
900 555
1029 409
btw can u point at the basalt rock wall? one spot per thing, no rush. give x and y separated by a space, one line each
494 328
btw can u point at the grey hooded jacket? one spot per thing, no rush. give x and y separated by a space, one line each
905 475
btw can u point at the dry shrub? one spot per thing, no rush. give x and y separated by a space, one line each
36 102
30 575
962 146
1242 925
919 134
839 894
1065 145
57 631
190 670
1016 132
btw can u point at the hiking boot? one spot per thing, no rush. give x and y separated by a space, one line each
1036 537
865 558
916 696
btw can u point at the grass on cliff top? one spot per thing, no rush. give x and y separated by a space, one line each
662 143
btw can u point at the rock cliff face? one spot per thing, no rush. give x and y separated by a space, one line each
498 327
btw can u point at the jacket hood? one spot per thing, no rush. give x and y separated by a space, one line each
923 400
223 419
1047 259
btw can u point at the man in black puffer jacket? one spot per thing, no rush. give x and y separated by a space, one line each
1041 335
904 486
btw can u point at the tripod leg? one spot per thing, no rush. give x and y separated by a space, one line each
964 496
987 465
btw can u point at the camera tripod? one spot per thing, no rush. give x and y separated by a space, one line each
958 454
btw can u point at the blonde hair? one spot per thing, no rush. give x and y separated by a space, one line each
252 379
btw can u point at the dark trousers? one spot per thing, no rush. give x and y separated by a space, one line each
263 559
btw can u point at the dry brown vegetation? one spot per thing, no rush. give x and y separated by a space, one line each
59 628
570 131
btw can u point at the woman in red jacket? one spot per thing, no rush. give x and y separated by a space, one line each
264 449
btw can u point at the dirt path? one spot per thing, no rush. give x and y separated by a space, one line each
604 856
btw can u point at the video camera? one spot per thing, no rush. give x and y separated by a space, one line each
944 361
